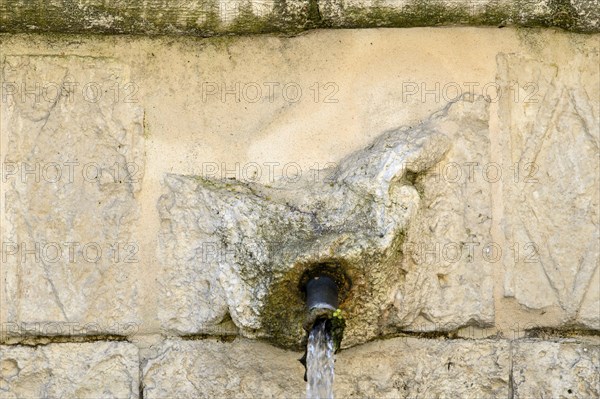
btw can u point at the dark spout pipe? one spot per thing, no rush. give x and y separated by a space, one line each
321 293
321 302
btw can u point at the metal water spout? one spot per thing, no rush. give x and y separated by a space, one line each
322 299
321 293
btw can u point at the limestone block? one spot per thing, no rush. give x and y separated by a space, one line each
555 369
552 197
424 368
400 367
73 166
191 297
70 370
210 368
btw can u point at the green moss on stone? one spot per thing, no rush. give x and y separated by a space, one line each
204 18
421 13
247 22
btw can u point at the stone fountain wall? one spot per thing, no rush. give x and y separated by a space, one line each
141 176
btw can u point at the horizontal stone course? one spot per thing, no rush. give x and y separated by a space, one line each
207 18
403 367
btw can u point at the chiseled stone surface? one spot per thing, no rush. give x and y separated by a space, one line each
178 285
73 166
555 369
394 368
92 370
552 195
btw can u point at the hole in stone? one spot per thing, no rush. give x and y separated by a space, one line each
411 177
333 270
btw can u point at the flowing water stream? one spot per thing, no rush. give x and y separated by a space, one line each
319 362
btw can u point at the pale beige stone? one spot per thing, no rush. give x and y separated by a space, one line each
552 194
369 81
73 167
424 368
70 370
400 367
210 368
447 260
555 369
362 78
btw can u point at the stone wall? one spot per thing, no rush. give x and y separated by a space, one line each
160 197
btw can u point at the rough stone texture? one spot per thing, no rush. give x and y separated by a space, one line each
395 368
447 273
271 235
424 368
191 296
554 197
210 17
209 369
205 18
73 165
176 284
356 217
555 370
92 370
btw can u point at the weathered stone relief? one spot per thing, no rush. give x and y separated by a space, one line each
552 206
259 240
73 166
